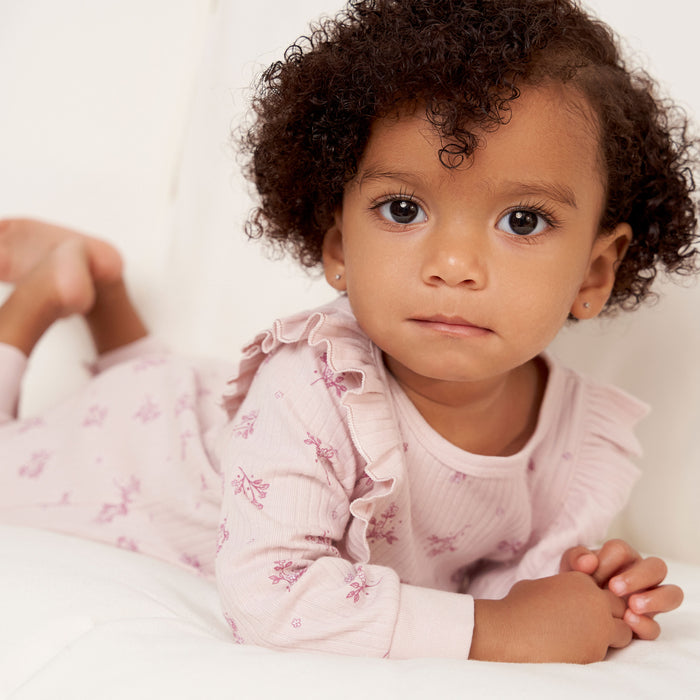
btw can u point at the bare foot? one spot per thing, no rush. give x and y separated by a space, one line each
58 286
26 243
61 284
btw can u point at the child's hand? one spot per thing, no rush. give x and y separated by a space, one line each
564 618
621 569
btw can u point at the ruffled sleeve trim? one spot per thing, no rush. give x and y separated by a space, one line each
607 473
590 482
370 418
608 444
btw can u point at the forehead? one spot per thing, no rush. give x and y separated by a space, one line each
552 133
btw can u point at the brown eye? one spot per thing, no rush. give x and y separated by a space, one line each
402 211
523 222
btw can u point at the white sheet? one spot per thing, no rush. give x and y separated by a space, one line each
85 620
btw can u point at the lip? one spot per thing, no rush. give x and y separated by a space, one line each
451 325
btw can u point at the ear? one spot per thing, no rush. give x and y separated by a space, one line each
608 251
333 255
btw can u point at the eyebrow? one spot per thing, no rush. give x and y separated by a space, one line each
372 174
534 188
540 188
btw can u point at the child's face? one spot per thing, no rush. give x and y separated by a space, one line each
465 274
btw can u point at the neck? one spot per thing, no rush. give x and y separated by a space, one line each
496 416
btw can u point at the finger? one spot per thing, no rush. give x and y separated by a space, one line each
579 559
621 634
640 576
618 606
614 556
642 626
658 600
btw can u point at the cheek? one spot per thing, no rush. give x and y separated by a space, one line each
374 263
540 293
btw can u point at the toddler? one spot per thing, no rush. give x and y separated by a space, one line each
406 471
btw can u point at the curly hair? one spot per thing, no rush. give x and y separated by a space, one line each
465 60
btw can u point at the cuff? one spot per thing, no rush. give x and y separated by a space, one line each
147 345
433 623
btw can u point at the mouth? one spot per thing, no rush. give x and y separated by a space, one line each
451 325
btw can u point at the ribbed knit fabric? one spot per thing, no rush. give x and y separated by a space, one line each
336 519
350 526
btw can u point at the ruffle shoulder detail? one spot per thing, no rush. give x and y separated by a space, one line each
331 327
371 422
608 447
612 417
592 471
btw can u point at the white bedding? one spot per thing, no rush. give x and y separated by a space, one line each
85 620
115 118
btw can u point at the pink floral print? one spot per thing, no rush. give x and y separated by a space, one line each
439 545
329 378
234 629
148 411
191 561
31 424
287 573
35 465
110 511
185 402
95 416
382 527
325 542
359 585
127 543
223 535
245 428
252 488
324 455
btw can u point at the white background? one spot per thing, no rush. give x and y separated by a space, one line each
115 118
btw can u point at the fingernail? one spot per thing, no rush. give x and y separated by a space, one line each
639 604
631 617
617 586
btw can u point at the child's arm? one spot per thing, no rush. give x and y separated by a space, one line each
292 574
564 618
292 567
621 569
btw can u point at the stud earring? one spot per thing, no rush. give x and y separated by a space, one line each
586 305
337 277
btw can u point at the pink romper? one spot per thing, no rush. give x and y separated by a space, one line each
333 517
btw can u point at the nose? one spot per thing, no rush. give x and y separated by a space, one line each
455 255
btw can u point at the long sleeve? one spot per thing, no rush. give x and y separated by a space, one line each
289 576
